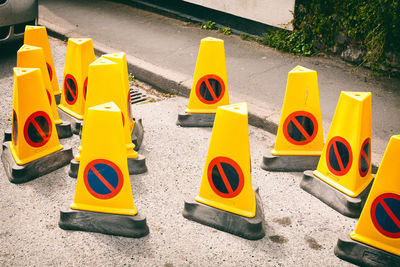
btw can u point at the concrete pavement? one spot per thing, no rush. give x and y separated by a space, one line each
300 230
162 52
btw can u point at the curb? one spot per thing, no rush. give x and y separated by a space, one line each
162 79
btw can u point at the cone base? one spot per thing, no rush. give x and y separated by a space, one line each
57 98
289 163
364 255
73 168
196 120
64 130
104 223
249 228
337 200
7 136
137 134
23 173
135 166
75 123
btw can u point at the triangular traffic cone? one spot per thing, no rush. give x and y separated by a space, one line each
227 200
80 54
35 149
33 57
299 141
376 239
135 125
210 86
37 36
105 85
343 177
103 200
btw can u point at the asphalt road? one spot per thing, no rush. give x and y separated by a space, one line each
300 230
256 73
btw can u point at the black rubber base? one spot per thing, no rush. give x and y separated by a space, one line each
104 223
57 98
249 228
23 173
137 134
364 255
342 203
286 163
135 166
64 130
75 123
196 119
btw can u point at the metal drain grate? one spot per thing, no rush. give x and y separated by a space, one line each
138 95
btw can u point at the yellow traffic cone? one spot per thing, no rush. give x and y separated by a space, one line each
33 57
210 86
105 85
299 141
103 200
35 149
343 177
37 36
80 54
376 239
135 125
226 200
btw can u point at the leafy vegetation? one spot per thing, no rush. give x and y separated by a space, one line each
372 26
209 25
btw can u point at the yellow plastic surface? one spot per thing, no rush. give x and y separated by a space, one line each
230 139
80 54
37 36
102 144
120 59
302 95
352 121
106 85
387 180
33 57
29 97
210 61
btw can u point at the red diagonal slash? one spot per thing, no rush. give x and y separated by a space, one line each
210 89
365 156
70 90
339 159
390 213
301 129
101 178
224 178
39 129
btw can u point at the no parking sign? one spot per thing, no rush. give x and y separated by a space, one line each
103 178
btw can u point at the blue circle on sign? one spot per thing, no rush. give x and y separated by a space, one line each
103 178
385 214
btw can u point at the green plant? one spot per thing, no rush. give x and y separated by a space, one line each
226 31
209 25
131 78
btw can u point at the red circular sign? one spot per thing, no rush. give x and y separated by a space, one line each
70 89
365 157
14 128
339 156
225 177
103 178
300 128
38 129
85 88
210 89
385 214
48 96
50 71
